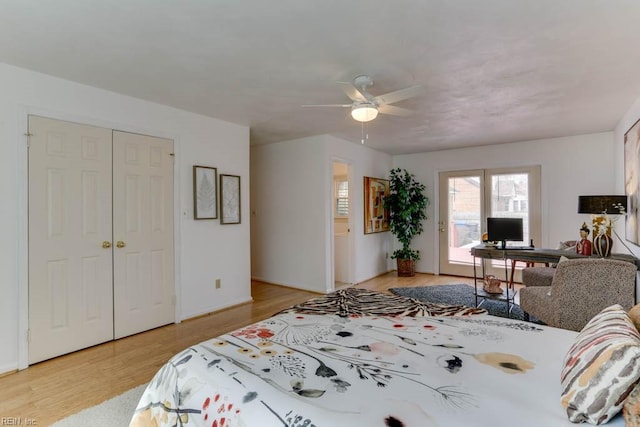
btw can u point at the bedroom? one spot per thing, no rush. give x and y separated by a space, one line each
200 256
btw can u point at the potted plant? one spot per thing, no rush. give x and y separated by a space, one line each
407 205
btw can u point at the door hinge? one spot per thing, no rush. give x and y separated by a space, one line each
28 134
29 335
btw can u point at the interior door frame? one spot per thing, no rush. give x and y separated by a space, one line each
330 252
22 181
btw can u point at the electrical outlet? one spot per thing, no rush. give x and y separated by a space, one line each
218 284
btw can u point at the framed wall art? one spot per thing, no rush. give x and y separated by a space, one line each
632 182
205 203
229 199
376 217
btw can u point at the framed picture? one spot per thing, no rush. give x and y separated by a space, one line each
205 203
632 182
376 217
229 199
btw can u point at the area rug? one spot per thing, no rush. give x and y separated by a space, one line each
110 413
459 295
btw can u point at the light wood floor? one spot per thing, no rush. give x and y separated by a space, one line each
49 391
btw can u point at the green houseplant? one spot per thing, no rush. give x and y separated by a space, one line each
407 205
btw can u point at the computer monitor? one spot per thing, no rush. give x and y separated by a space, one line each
504 229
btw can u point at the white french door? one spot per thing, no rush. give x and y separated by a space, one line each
467 198
100 235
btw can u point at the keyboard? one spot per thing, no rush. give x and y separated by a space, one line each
518 248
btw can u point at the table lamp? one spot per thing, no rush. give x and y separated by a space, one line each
600 207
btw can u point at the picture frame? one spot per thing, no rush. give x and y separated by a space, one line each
376 216
229 199
632 182
205 192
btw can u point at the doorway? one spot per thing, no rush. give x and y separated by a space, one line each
341 225
467 198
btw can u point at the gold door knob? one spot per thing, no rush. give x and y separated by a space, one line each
106 244
120 244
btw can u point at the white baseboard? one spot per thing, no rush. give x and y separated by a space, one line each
288 285
210 310
7 369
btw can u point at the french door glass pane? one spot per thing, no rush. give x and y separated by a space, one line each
510 199
464 220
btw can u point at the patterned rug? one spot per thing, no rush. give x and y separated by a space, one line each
459 295
360 302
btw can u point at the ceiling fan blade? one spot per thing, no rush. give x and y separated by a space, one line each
328 105
351 91
394 111
399 95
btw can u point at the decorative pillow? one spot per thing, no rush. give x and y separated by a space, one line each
601 367
634 315
568 245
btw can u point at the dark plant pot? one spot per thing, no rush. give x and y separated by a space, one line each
602 245
406 267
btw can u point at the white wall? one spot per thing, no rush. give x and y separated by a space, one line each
205 250
291 212
287 213
369 251
569 169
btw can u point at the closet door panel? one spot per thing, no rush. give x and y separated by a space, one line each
70 272
143 224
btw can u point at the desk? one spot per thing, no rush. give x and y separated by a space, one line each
546 256
539 255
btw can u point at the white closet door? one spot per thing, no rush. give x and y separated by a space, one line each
142 233
70 272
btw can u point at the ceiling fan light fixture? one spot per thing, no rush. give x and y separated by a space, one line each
364 112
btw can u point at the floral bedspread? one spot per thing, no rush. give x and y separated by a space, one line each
305 370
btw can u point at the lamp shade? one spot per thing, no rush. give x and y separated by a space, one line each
364 112
599 204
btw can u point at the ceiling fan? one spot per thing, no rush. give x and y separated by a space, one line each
365 107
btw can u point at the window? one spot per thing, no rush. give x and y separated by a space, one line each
341 192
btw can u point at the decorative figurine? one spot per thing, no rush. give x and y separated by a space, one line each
583 246
491 284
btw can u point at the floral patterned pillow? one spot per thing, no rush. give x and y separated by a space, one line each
601 367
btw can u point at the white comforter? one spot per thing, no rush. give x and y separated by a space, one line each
323 370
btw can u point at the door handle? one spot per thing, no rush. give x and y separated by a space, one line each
442 230
106 244
120 244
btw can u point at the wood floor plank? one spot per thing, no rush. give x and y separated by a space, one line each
49 391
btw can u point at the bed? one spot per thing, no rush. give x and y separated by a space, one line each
358 358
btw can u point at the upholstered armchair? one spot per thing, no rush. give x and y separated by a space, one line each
579 290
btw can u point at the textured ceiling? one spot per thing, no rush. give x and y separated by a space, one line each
494 71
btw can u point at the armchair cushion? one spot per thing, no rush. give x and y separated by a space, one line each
601 368
538 276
